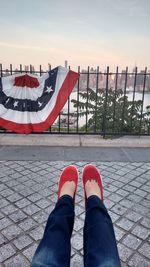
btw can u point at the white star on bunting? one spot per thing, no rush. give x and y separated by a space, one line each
15 104
7 101
49 89
39 103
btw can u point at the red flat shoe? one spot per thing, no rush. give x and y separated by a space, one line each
91 172
69 173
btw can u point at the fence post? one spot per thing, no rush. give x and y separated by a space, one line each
125 88
132 109
143 94
105 105
97 77
114 111
78 88
87 92
1 70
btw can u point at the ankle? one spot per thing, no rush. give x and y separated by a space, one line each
68 189
92 189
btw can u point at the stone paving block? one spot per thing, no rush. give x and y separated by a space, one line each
134 198
118 184
123 264
79 210
128 177
126 203
20 187
40 217
2 239
31 209
12 183
111 188
77 241
49 209
27 192
114 216
146 203
6 252
46 192
133 216
11 232
34 197
145 188
82 216
30 183
125 224
38 187
141 180
145 250
29 252
131 241
3 187
109 204
9 209
140 192
1 215
141 232
120 210
18 216
138 261
17 261
114 197
54 187
22 241
22 203
53 198
135 184
6 192
124 252
146 222
119 233
148 183
78 224
115 177
76 261
25 173
4 222
148 197
43 203
141 209
122 192
129 188
14 197
37 233
3 203
27 224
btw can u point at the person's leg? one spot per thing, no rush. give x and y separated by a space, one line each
100 249
54 248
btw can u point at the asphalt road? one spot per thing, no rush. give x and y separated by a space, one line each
107 154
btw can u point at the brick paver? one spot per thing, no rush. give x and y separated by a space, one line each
28 192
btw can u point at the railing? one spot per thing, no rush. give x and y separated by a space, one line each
103 102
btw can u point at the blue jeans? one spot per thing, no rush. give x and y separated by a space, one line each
100 249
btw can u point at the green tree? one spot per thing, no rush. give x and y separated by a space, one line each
111 112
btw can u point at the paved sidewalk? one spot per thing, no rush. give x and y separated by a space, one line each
28 192
65 140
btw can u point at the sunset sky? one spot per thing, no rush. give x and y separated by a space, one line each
84 32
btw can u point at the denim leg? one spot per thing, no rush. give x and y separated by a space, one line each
54 249
100 249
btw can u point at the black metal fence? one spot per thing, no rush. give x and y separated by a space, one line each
102 102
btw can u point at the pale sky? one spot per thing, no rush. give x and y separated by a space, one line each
84 32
